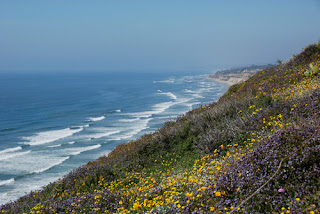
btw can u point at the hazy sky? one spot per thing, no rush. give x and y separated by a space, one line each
153 35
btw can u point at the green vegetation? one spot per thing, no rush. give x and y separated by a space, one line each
211 159
313 71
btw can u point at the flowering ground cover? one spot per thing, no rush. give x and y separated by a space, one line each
211 159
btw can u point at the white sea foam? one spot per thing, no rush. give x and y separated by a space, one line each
156 109
184 100
72 142
77 151
198 96
36 161
143 114
11 150
167 117
53 146
6 182
51 164
192 104
94 119
50 136
170 80
119 110
129 120
12 155
103 134
189 91
85 126
161 107
138 127
128 135
205 89
30 183
169 94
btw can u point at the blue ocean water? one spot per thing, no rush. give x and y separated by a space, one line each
51 123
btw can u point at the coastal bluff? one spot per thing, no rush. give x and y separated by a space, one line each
237 75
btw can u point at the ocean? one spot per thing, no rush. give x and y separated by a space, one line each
53 122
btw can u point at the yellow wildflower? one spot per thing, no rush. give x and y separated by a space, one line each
189 194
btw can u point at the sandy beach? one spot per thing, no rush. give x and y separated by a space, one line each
229 79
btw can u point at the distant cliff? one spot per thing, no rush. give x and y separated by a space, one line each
236 75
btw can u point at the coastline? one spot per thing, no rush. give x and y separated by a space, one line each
138 175
228 80
82 142
233 76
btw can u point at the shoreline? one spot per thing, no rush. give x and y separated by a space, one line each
233 76
228 80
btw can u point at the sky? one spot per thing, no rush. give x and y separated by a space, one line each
61 35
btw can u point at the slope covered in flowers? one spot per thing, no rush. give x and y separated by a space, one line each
213 158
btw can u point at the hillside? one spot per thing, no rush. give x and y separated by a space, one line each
212 159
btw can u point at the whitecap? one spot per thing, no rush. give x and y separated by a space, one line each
12 155
189 91
170 80
52 164
30 183
161 107
94 119
143 114
69 143
11 150
103 134
53 146
157 109
6 182
118 110
184 100
50 136
169 94
192 104
77 151
129 120
33 162
167 117
198 96
128 134
138 127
